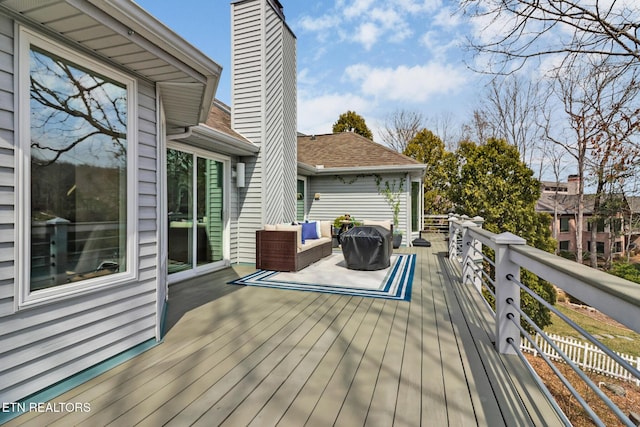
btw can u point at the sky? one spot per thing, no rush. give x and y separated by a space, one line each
371 57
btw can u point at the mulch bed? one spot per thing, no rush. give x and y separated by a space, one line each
628 403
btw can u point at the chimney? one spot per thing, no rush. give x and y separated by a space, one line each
264 110
573 184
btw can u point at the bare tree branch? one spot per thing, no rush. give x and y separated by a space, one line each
525 29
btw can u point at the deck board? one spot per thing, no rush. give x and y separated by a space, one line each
263 357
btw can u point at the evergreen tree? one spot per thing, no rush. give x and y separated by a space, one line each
428 148
491 181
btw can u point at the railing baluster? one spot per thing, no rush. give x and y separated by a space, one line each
471 255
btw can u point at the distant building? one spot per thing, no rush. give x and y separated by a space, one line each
560 200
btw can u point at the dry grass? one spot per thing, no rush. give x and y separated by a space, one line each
572 409
594 322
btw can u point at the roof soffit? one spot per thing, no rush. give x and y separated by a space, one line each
127 37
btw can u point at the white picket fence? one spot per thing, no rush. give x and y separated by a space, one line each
585 355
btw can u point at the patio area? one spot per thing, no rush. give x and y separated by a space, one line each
236 355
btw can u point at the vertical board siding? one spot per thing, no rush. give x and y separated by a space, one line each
46 344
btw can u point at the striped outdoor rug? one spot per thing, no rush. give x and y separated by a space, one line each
331 275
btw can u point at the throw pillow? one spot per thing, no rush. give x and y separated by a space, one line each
309 231
318 231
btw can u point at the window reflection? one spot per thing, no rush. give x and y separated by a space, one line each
78 172
196 232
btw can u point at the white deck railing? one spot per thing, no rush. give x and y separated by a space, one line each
500 276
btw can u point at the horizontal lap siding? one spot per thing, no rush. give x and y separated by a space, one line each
7 175
264 110
43 345
356 195
275 185
290 121
247 117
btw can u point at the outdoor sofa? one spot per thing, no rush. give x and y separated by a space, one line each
292 247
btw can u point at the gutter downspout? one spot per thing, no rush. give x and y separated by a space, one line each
186 134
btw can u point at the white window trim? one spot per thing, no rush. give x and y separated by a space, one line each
304 200
24 297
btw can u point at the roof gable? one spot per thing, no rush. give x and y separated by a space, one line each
348 150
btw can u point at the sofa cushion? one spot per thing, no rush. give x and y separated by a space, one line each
325 228
313 243
269 227
289 227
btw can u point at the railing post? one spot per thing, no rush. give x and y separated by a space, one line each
452 237
58 230
471 255
507 293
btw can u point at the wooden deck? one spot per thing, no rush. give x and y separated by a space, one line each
252 356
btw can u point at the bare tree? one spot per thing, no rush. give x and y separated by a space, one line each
479 129
443 126
72 108
524 29
512 106
558 168
400 127
603 117
631 192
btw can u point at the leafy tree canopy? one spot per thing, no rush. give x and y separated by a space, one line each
352 122
492 181
428 148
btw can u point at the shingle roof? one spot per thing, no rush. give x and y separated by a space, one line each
220 119
634 204
568 203
347 150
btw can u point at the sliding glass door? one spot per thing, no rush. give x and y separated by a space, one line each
196 211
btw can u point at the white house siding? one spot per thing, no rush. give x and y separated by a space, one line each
42 345
264 102
354 194
290 123
7 161
246 115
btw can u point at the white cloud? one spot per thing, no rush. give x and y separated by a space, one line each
363 22
407 84
357 8
438 47
317 114
321 23
415 7
393 23
447 18
367 34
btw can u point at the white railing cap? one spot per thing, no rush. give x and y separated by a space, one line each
507 238
468 223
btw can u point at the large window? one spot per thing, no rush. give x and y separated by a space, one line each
77 133
564 224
